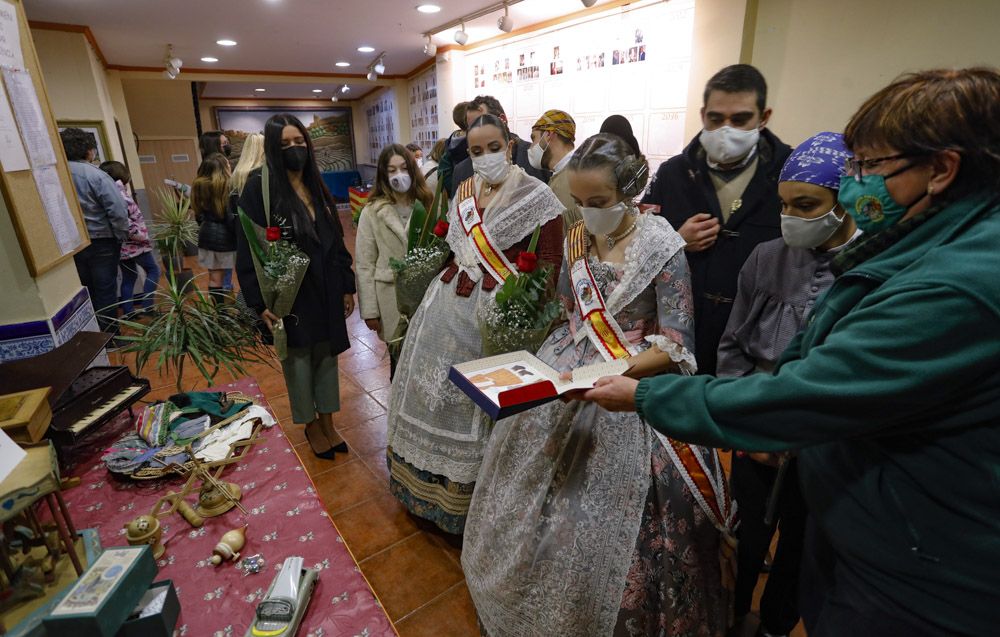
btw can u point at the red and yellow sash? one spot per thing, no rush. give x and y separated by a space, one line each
605 333
709 487
492 259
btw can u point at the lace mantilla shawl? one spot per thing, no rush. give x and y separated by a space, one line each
521 204
655 243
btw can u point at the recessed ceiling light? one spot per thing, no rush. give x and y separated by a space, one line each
342 64
259 90
428 8
317 90
366 49
209 59
226 42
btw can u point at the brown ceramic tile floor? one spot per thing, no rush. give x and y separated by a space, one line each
413 567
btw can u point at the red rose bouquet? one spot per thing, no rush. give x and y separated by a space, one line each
521 313
280 266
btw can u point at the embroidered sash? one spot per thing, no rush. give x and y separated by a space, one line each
601 326
476 233
710 488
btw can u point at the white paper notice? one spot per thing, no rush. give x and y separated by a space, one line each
28 111
12 155
10 455
10 37
57 208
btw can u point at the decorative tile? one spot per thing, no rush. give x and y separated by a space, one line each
25 348
78 322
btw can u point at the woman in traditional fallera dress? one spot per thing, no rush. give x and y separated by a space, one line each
583 522
436 434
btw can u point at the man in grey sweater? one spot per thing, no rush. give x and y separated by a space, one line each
107 224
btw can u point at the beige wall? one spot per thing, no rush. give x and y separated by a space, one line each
822 59
117 95
77 82
160 108
717 42
27 298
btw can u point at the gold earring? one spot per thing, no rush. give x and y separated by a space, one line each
930 189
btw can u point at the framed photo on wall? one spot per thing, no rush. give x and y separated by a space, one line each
95 128
330 129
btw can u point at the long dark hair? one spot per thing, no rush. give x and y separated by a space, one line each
418 187
285 201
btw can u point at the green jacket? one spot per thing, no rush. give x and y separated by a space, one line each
892 394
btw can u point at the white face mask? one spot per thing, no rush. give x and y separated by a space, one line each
809 233
603 220
535 155
401 182
492 167
728 145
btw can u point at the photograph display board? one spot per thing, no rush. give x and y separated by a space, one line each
383 129
423 109
34 175
634 63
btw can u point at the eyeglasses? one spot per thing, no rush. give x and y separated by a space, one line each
853 167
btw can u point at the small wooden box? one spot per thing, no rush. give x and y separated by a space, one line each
25 416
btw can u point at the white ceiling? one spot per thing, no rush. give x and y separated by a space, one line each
305 36
285 91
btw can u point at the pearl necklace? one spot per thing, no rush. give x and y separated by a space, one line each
612 239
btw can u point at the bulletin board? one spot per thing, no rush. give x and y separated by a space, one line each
34 175
633 62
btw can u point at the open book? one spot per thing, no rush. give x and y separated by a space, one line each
508 384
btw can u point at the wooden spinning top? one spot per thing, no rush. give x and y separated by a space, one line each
228 548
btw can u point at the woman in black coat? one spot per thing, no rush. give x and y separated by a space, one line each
317 329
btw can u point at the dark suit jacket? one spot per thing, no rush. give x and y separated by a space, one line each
682 188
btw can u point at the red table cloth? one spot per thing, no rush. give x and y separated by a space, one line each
285 518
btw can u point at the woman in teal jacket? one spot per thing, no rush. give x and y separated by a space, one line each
891 394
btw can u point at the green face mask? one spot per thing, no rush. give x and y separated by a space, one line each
870 203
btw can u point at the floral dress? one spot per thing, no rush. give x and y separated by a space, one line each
581 524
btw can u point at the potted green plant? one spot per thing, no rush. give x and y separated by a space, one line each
191 329
173 228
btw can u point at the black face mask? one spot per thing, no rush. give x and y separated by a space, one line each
295 157
227 150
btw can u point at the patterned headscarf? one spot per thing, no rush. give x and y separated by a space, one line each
819 160
559 122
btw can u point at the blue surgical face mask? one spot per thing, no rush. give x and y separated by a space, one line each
870 203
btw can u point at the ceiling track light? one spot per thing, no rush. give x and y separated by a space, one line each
588 3
504 23
171 63
377 67
430 49
345 89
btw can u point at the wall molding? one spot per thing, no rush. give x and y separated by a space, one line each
72 28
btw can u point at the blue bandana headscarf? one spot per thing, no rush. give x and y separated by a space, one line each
819 160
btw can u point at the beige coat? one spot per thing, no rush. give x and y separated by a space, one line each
559 183
381 236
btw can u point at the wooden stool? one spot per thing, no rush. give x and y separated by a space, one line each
34 478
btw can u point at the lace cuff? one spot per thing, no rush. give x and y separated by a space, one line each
677 353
